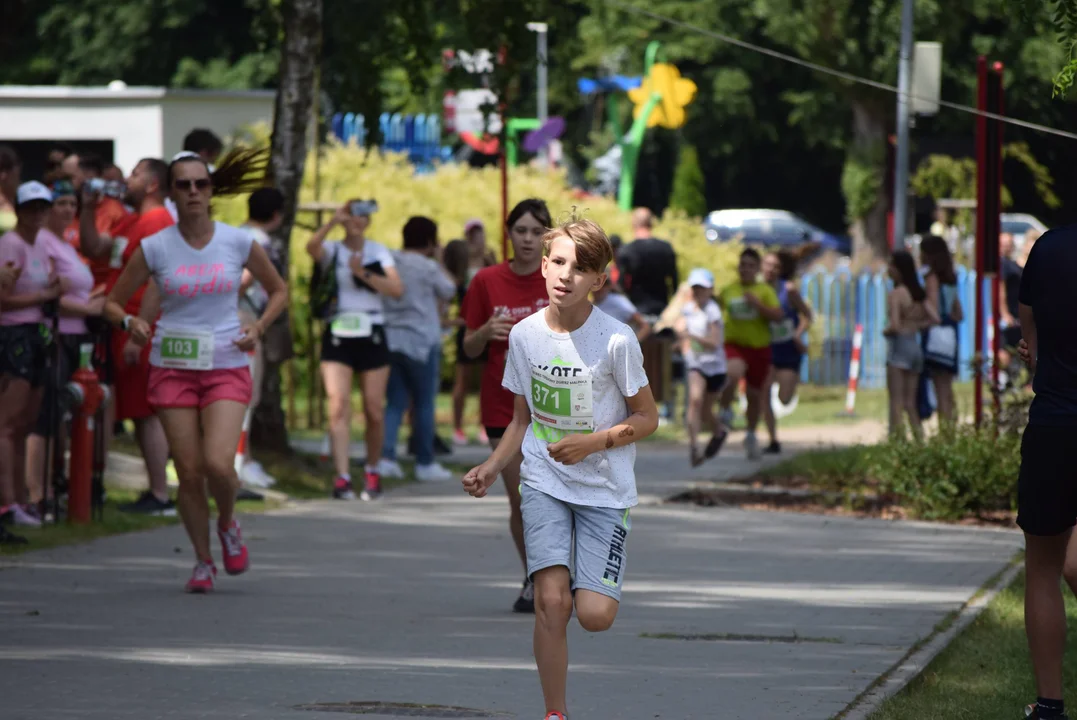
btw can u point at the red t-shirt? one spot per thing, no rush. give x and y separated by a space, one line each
498 289
127 237
110 215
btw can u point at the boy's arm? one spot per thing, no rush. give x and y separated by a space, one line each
478 480
642 421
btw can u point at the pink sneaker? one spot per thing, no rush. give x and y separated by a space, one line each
554 715
202 578
236 559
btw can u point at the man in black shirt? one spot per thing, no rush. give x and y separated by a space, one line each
1047 486
648 274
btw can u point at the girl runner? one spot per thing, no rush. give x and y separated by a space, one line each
700 331
24 339
940 341
498 298
354 339
200 383
787 350
907 315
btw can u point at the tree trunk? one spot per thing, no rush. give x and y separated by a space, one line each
300 55
864 183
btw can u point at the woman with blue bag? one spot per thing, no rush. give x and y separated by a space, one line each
940 341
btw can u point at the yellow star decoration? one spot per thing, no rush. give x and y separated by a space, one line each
676 92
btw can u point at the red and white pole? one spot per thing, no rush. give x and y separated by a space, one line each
854 370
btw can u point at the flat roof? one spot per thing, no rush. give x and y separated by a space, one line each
63 92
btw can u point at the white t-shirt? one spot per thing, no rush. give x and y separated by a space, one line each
351 297
199 298
170 205
618 307
560 374
698 322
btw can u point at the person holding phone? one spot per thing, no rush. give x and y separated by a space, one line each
354 341
24 339
498 297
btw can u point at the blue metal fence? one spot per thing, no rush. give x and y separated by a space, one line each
419 136
841 300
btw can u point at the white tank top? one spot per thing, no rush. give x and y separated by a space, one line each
199 298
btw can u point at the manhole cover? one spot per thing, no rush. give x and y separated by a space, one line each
403 710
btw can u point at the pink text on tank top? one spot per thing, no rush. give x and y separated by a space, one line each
192 280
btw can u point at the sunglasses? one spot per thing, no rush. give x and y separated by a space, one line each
186 185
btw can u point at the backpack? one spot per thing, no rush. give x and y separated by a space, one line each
323 288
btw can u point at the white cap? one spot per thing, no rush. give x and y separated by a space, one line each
701 277
183 155
30 191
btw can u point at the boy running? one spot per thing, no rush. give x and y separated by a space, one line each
581 400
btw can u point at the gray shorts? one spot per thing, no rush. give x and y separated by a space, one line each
553 529
904 352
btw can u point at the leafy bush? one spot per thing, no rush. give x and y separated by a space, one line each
960 471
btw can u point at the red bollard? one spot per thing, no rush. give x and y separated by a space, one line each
88 394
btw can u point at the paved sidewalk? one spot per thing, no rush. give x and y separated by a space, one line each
407 601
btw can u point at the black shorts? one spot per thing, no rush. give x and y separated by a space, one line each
58 376
1047 486
23 352
495 433
714 382
360 354
462 357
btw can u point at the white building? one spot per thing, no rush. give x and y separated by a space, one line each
138 122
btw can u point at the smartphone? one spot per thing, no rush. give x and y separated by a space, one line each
364 207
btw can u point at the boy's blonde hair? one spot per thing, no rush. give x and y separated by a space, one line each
593 249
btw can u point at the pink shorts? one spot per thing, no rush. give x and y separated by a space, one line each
172 388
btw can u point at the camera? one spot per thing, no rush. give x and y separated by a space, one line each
109 188
364 207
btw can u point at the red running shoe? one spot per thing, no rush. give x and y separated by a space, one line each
202 578
554 715
236 559
372 490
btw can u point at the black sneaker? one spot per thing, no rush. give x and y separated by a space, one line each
526 602
9 538
715 445
775 448
1031 713
148 504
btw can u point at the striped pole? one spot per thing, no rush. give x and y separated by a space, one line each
854 371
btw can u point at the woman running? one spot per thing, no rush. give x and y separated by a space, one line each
78 302
24 339
940 341
907 315
354 339
703 346
499 297
465 264
787 348
200 381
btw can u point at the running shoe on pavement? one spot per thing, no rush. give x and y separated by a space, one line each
342 489
715 444
148 504
236 558
459 438
254 475
202 579
554 715
751 446
389 469
434 472
372 489
775 448
526 602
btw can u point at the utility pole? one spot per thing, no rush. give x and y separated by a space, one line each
543 105
901 159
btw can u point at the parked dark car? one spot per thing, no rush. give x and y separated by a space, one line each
771 228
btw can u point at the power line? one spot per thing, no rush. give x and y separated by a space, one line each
840 74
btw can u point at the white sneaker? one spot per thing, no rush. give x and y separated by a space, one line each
434 472
387 468
751 446
254 475
20 517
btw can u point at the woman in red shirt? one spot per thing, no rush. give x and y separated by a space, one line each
499 296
